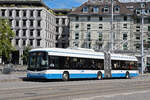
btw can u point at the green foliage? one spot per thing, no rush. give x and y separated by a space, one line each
26 53
6 34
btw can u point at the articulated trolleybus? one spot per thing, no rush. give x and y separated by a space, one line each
57 63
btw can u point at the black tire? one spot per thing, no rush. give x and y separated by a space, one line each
99 76
65 76
127 75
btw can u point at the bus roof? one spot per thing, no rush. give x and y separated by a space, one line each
83 53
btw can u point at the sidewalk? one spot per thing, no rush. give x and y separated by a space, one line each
18 76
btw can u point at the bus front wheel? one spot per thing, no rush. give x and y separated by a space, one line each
99 76
65 76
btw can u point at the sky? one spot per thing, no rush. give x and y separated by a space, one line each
63 4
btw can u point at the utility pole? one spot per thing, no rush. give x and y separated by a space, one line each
112 33
107 52
142 47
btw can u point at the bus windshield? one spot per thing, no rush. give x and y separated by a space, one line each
38 61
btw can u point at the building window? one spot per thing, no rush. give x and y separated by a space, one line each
142 5
38 42
24 32
137 46
24 23
31 23
10 13
100 18
95 9
100 26
17 41
17 23
77 26
124 25
125 46
57 37
63 21
3 12
88 18
85 9
39 23
24 13
106 9
31 13
138 12
137 37
31 32
148 28
39 13
88 36
38 33
77 18
88 26
24 42
31 42
100 36
17 13
138 20
57 29
117 8
125 18
57 20
17 32
76 36
137 28
125 36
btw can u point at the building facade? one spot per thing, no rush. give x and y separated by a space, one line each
32 23
62 27
90 26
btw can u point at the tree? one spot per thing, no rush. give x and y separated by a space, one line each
6 34
26 54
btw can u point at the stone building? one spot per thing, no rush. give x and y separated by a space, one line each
90 26
32 23
62 27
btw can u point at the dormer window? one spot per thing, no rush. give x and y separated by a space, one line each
85 9
116 8
106 9
138 12
142 5
95 9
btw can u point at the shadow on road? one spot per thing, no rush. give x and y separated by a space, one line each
59 80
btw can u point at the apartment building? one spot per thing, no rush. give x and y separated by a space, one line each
90 26
32 23
62 27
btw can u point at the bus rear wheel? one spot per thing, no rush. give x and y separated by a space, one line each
127 75
99 76
65 76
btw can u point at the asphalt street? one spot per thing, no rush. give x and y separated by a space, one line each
107 89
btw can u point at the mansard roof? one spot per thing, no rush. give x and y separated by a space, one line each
101 5
136 5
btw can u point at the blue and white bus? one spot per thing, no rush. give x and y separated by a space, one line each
57 63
